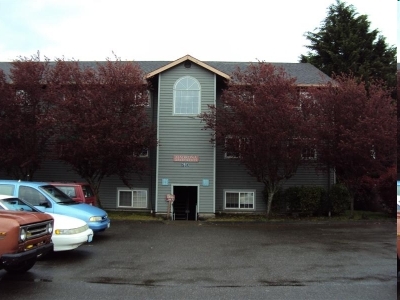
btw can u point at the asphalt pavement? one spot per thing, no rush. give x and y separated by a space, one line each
207 260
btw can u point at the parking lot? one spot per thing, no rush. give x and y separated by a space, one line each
206 260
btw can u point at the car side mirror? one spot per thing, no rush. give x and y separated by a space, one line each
45 203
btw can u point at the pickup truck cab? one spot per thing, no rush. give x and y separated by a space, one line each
24 236
50 199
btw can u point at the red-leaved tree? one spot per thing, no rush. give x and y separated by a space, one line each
103 127
260 121
398 119
356 129
27 105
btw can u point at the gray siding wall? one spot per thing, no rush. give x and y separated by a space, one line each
183 135
230 175
55 170
233 176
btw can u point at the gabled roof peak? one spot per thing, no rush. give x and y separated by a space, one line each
183 59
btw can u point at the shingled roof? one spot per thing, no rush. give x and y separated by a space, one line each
305 73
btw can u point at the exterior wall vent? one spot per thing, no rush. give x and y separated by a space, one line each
188 64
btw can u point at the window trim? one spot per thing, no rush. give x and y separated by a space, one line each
131 191
174 97
239 191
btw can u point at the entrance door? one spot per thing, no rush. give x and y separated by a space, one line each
185 202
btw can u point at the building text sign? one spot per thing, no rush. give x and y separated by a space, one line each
186 158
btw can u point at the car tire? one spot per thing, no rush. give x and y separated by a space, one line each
398 266
22 267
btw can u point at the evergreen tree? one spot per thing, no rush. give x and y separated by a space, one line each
345 44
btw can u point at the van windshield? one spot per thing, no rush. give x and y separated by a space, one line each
57 195
17 204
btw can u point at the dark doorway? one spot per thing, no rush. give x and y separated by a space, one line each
185 202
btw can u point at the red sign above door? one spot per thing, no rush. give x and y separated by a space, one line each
186 158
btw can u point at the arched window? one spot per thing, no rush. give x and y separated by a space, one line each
187 96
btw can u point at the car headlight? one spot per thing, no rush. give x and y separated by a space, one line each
22 234
95 219
71 231
50 228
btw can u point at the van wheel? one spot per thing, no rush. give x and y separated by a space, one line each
22 267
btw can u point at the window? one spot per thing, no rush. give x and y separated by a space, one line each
31 195
7 189
143 153
247 96
69 190
132 198
309 153
87 191
230 145
239 199
233 146
21 95
150 98
187 96
304 94
372 152
139 96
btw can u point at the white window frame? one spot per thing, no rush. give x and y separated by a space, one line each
119 190
176 91
236 191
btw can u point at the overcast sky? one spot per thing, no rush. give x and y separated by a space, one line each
209 30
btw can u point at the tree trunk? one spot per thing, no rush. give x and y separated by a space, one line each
269 203
96 193
352 206
95 185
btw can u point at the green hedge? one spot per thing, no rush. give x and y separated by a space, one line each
339 198
314 200
310 199
304 199
291 197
